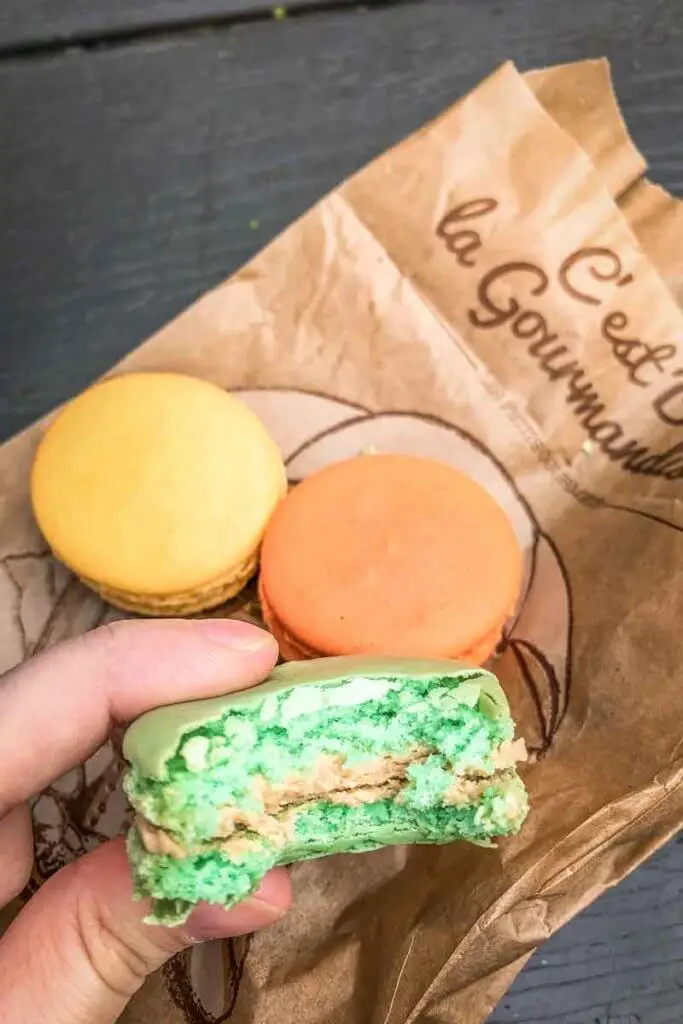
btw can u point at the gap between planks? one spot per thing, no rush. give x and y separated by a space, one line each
26 31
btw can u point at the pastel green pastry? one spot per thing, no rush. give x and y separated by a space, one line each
337 755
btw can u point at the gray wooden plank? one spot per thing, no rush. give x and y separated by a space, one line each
40 23
128 180
129 177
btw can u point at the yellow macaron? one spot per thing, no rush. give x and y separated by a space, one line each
156 489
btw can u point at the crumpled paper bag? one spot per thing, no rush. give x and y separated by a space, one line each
499 291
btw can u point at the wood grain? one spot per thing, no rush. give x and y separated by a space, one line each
133 176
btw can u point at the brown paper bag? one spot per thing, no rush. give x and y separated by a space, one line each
485 293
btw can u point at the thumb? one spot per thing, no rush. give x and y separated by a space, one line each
79 950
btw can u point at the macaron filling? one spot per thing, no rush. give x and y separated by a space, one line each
335 781
341 766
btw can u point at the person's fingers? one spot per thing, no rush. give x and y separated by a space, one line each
58 707
82 943
16 852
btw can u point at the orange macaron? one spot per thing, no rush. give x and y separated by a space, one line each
389 554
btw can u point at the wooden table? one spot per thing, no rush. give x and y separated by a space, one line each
149 147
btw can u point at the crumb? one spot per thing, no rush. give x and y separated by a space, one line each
588 447
254 224
280 12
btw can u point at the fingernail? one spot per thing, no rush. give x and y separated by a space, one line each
239 636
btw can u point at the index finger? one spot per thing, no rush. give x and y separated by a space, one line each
58 708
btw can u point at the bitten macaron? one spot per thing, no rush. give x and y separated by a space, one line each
155 489
340 755
389 555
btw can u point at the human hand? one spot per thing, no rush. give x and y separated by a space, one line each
79 950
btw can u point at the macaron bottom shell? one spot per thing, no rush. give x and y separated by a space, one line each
175 885
189 602
293 649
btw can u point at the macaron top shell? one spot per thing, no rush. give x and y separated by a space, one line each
390 554
154 738
155 483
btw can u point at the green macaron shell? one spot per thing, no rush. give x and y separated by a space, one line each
191 761
155 737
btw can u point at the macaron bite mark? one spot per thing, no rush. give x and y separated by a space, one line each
155 489
329 756
389 555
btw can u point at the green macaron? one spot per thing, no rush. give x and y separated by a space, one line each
337 755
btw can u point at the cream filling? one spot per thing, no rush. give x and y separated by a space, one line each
241 831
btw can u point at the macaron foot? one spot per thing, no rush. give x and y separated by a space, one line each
181 604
